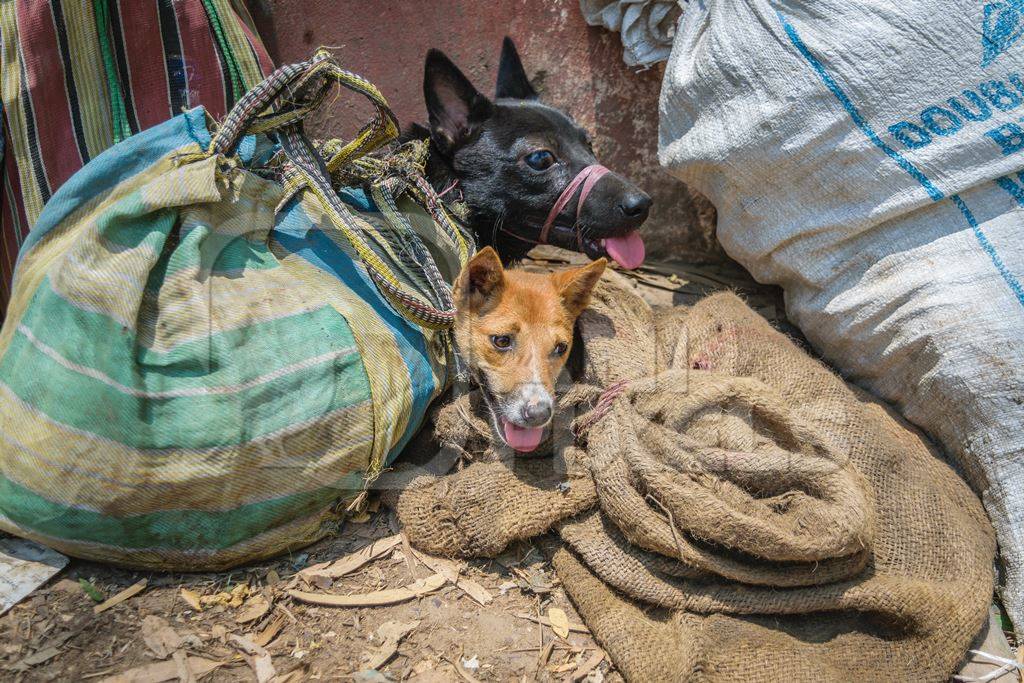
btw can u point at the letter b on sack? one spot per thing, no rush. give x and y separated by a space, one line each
1009 137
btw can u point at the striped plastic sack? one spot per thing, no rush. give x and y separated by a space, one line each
79 77
209 351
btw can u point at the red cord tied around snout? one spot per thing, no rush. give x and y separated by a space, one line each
588 177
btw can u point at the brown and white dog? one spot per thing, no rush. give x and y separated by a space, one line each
514 331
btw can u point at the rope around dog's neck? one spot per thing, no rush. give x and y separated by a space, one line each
601 407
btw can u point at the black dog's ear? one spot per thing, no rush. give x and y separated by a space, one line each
512 80
454 105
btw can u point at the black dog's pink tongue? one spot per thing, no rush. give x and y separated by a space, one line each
628 251
523 439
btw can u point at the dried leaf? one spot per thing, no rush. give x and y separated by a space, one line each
255 608
395 630
38 657
273 578
245 644
586 667
559 622
392 633
451 571
128 592
163 671
573 627
353 561
257 657
192 598
320 581
376 598
263 667
422 666
159 636
92 591
192 641
536 581
267 635
462 673
185 674
220 632
407 555
545 654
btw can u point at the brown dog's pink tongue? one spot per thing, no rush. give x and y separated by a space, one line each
628 250
523 439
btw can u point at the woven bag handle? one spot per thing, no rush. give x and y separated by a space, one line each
311 167
298 89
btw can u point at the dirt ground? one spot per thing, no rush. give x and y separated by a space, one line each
445 635
250 627
450 636
247 624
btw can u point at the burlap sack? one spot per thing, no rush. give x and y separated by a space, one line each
748 515
499 498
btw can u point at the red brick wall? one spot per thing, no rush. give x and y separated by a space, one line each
574 66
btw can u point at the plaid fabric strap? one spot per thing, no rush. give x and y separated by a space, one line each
316 180
306 85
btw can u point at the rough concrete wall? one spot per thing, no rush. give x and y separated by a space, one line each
575 67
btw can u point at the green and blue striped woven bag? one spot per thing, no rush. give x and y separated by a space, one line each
210 350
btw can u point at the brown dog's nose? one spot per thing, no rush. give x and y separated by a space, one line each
537 412
635 205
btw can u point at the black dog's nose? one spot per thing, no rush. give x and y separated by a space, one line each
635 205
537 412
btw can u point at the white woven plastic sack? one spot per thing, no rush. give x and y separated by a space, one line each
867 157
647 26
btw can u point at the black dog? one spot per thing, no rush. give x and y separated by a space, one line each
512 159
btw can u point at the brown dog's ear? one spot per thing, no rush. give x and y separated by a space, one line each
576 284
455 107
482 278
512 79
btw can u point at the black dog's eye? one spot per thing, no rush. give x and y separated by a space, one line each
561 348
502 342
540 160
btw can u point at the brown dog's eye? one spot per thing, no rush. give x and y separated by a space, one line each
540 160
561 348
502 342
